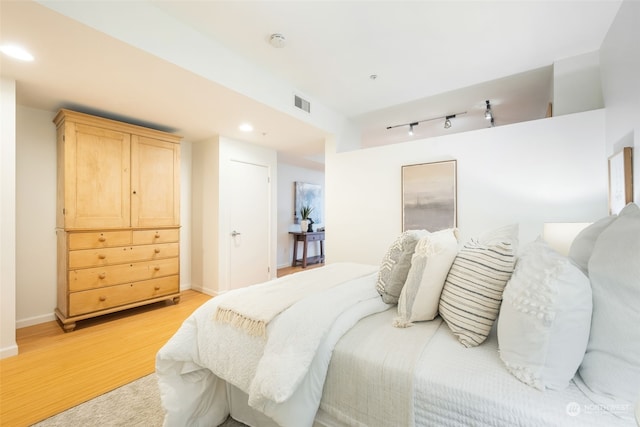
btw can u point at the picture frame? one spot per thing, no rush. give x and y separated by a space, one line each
307 194
620 180
429 196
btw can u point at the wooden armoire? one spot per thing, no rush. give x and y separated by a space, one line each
118 216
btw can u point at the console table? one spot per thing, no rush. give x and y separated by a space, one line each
305 238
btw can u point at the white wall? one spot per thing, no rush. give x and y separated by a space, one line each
8 345
620 68
550 170
36 220
576 84
287 176
210 208
186 158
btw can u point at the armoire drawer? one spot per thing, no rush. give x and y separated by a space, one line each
99 239
111 256
114 296
99 277
149 237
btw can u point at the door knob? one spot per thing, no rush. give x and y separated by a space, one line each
234 233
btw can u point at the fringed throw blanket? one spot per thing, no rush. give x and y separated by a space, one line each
253 309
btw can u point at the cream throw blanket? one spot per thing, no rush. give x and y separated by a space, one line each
252 310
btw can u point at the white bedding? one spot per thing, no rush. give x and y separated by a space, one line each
282 374
378 375
469 386
370 380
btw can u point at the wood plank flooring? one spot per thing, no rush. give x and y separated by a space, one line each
56 371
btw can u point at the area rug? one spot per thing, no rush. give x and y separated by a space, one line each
136 404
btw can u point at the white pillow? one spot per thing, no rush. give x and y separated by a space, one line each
582 246
430 264
506 233
545 317
611 366
472 292
395 265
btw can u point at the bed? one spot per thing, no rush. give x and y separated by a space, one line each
377 345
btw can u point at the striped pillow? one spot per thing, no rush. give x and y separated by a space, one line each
472 293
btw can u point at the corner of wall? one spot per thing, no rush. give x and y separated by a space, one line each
8 346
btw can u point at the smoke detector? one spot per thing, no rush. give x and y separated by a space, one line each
277 40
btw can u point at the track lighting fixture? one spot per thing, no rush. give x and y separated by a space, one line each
447 123
488 113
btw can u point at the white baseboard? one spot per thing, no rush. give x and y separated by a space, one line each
35 320
207 291
12 350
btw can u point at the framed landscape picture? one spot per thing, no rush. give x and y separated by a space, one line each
429 196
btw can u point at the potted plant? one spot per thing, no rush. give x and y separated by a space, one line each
305 213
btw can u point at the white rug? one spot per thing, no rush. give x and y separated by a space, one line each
136 404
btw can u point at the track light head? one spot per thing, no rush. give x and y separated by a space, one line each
411 125
487 112
447 121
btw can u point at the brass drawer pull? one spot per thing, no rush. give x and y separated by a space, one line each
102 256
102 239
157 250
157 288
157 235
156 268
102 298
102 275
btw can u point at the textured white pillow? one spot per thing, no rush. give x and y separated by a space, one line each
395 265
472 292
544 321
582 246
430 264
611 366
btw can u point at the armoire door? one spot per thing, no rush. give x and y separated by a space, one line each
97 177
155 182
249 224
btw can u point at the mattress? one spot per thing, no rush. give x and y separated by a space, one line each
457 386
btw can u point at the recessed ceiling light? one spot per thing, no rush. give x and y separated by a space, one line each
245 127
16 52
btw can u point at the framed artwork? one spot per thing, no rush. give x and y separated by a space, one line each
308 195
620 180
429 196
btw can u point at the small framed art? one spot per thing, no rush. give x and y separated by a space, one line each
620 180
429 196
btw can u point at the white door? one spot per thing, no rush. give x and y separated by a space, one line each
249 227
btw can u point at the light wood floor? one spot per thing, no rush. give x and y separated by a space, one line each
56 371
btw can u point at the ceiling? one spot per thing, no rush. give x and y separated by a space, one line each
431 59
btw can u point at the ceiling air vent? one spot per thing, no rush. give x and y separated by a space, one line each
302 104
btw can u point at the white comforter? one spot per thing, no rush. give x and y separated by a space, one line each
282 374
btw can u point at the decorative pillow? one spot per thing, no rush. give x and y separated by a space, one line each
472 292
582 246
507 233
545 318
611 366
395 265
430 264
